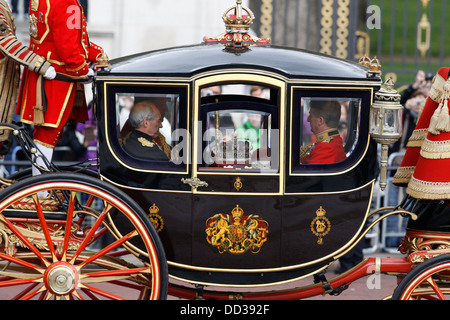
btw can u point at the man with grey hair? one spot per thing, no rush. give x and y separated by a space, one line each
145 140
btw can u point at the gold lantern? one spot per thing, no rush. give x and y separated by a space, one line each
386 123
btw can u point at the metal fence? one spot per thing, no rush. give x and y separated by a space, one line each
386 236
406 35
412 37
329 26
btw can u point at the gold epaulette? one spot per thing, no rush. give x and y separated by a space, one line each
146 143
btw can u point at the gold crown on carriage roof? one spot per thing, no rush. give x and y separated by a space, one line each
240 21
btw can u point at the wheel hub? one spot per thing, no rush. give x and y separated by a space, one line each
61 278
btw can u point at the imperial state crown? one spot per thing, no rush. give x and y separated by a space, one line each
238 20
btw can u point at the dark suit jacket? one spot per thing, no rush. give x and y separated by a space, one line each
141 145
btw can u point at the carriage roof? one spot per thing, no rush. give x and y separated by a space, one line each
188 61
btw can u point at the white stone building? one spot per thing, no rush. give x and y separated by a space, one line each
124 27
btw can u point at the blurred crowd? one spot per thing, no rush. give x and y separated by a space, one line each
413 99
14 4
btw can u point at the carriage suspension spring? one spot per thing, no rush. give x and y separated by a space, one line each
326 286
199 288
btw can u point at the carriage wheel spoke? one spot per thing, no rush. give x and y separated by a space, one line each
103 293
34 293
89 201
435 288
70 213
112 275
91 233
89 294
25 291
24 240
21 262
17 275
87 204
48 296
99 234
44 226
77 295
18 282
109 248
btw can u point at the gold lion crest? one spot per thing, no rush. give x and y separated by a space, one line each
236 233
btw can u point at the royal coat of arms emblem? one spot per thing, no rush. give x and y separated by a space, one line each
236 233
320 226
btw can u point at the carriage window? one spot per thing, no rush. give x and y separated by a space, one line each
146 124
239 129
329 129
238 139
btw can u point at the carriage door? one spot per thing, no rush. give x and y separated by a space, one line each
237 135
237 172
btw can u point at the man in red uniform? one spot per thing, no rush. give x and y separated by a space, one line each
16 54
58 32
328 148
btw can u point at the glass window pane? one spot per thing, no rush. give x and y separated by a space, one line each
149 134
238 139
329 129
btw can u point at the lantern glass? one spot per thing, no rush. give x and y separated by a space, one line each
386 123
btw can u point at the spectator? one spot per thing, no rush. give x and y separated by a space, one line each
15 6
422 82
88 133
78 137
211 91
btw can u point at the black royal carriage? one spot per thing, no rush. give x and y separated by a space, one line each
244 213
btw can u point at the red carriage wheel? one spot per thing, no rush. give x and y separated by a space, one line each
430 280
92 242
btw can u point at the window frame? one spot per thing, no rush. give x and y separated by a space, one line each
112 89
296 128
250 78
249 104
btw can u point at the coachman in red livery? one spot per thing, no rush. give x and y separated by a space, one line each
17 54
58 32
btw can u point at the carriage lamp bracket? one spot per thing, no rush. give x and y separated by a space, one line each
326 286
385 119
